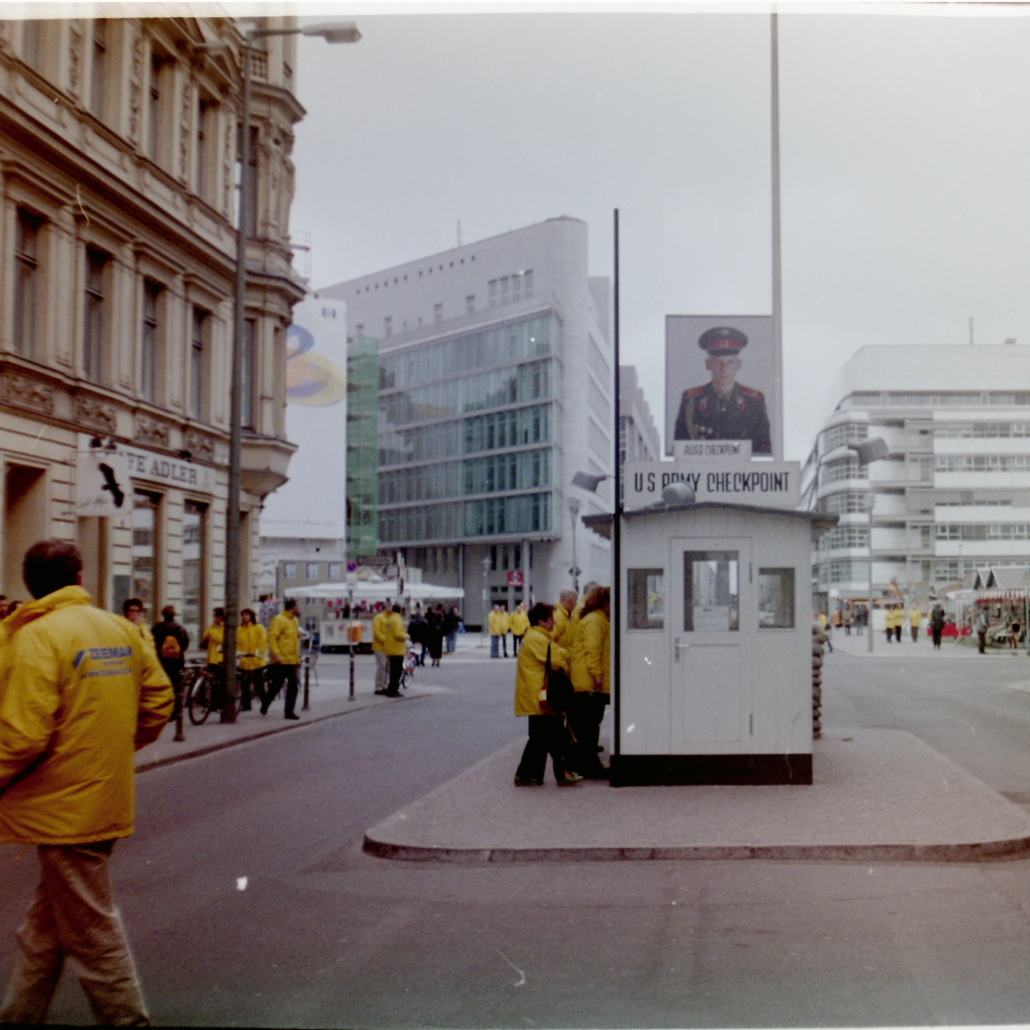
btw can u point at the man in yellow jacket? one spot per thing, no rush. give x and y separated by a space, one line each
80 692
378 641
395 647
563 610
284 655
499 623
519 626
547 734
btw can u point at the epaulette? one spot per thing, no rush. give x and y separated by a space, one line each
695 392
754 394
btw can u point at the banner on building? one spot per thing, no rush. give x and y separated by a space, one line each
313 503
721 382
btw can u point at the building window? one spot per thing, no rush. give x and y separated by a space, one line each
149 348
98 76
248 374
155 107
388 326
470 304
334 570
93 330
198 341
26 257
437 314
311 572
206 135
194 566
290 570
145 548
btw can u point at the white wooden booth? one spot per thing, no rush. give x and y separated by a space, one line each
714 680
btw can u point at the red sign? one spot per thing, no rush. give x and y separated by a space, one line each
514 579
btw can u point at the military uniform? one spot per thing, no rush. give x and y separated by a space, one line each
740 415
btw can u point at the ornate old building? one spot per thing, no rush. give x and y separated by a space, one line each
118 164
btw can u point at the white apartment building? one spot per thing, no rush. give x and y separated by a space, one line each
495 388
952 496
118 158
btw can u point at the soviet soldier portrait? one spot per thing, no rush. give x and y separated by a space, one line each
724 409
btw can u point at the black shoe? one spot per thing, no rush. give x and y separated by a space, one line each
291 715
264 707
393 693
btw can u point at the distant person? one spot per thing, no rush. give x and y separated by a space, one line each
395 647
171 642
937 620
132 609
562 633
451 623
213 639
915 618
982 625
284 656
591 680
79 693
252 652
724 409
378 643
519 626
434 633
499 624
418 627
547 735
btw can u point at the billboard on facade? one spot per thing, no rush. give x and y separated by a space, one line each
721 381
313 503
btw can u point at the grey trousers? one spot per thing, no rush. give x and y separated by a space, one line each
74 918
382 672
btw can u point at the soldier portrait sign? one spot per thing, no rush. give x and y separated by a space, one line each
720 381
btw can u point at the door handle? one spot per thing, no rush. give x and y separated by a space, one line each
680 647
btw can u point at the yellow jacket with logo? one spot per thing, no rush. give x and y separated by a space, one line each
529 675
253 640
395 635
213 637
284 639
591 652
79 693
499 623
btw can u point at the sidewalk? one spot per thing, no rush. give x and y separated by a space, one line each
922 648
329 698
878 795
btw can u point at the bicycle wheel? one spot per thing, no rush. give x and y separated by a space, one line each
407 675
200 699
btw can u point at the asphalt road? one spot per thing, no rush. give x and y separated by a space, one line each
249 902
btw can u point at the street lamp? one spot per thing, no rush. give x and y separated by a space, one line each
574 508
331 32
867 452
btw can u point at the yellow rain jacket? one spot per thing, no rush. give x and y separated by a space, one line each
591 652
378 629
562 632
253 640
529 674
213 637
79 693
519 623
499 623
284 639
395 635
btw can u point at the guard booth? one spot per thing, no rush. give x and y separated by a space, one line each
714 657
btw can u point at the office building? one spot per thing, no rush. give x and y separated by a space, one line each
953 494
495 387
118 157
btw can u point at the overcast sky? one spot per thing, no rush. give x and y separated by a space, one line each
905 164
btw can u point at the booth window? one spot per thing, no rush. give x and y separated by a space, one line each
711 592
646 598
775 598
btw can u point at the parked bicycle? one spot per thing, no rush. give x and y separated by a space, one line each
203 691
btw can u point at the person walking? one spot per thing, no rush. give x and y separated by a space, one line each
451 622
418 627
132 609
937 620
498 623
378 641
519 626
284 652
171 642
79 693
915 618
213 638
251 649
395 647
434 633
591 680
547 735
899 622
982 625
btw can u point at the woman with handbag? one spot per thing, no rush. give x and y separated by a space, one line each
547 734
591 679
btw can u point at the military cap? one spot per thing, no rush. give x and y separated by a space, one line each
722 341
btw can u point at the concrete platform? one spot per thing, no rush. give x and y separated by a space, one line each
878 795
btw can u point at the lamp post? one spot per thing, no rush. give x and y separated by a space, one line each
574 508
331 32
867 452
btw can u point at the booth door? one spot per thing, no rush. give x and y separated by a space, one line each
712 640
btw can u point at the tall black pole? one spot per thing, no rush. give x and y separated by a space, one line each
616 620
777 290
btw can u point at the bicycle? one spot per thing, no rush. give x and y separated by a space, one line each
408 669
199 686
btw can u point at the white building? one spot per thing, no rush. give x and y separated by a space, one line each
495 388
953 495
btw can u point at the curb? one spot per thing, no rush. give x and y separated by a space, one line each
976 851
299 725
